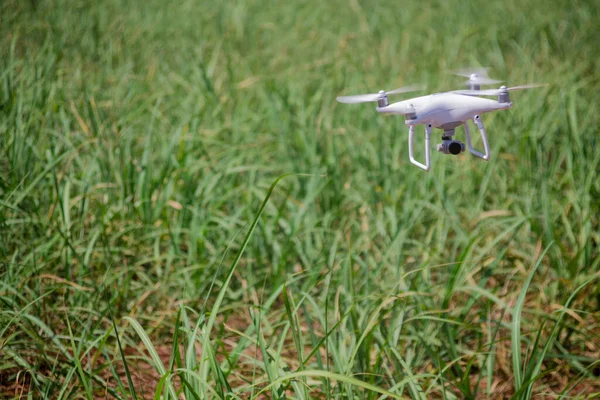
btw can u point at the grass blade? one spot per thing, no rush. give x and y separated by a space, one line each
153 354
515 332
125 364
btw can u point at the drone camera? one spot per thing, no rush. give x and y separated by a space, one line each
454 147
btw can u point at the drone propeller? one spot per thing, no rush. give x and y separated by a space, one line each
496 92
477 76
365 98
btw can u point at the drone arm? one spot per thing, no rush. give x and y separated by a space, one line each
411 134
486 146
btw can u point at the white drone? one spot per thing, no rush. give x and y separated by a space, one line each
444 111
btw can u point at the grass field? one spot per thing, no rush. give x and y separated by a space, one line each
187 212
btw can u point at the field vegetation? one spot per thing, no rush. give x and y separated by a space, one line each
187 212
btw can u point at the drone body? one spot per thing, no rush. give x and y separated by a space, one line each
444 111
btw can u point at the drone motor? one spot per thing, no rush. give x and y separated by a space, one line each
383 100
503 96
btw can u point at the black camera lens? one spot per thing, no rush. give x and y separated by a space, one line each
455 148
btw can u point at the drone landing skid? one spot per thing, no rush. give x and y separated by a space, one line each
411 154
486 146
428 127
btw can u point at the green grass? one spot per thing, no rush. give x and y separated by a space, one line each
185 210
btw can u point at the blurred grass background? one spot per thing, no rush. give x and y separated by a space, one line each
140 139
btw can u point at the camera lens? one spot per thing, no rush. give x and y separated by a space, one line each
455 147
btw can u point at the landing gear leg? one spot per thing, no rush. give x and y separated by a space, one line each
479 123
411 134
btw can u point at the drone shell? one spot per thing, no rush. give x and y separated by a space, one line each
442 110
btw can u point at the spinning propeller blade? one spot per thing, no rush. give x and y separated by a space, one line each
359 98
477 80
365 98
477 76
467 72
496 92
406 89
528 86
